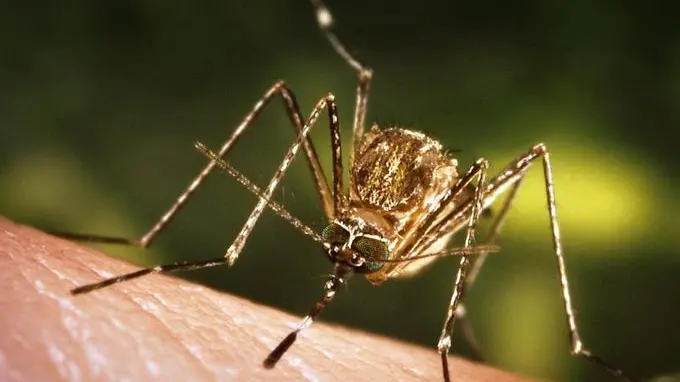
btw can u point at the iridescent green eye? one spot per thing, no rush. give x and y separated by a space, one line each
373 251
334 234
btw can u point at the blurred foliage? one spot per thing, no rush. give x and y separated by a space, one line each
102 101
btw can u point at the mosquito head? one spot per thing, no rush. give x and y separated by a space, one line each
355 244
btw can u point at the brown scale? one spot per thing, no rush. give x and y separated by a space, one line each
393 167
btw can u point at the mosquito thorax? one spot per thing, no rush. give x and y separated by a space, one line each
355 244
395 169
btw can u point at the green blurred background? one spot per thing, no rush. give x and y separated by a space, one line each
101 103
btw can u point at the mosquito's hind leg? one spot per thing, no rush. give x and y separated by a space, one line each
577 346
512 175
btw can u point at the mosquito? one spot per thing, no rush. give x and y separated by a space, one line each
405 201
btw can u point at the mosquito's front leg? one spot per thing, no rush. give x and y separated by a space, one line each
293 111
264 200
327 102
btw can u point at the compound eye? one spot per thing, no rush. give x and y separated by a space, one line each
373 251
335 235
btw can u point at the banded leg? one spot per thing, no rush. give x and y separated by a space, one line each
293 112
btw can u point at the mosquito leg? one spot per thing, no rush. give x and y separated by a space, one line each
325 21
295 117
320 181
327 102
332 285
167 268
444 344
477 262
252 187
339 201
494 232
577 346
511 175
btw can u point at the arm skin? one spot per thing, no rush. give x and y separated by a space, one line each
163 328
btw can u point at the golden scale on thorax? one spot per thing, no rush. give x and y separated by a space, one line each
397 176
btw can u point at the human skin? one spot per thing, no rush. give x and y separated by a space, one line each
164 328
